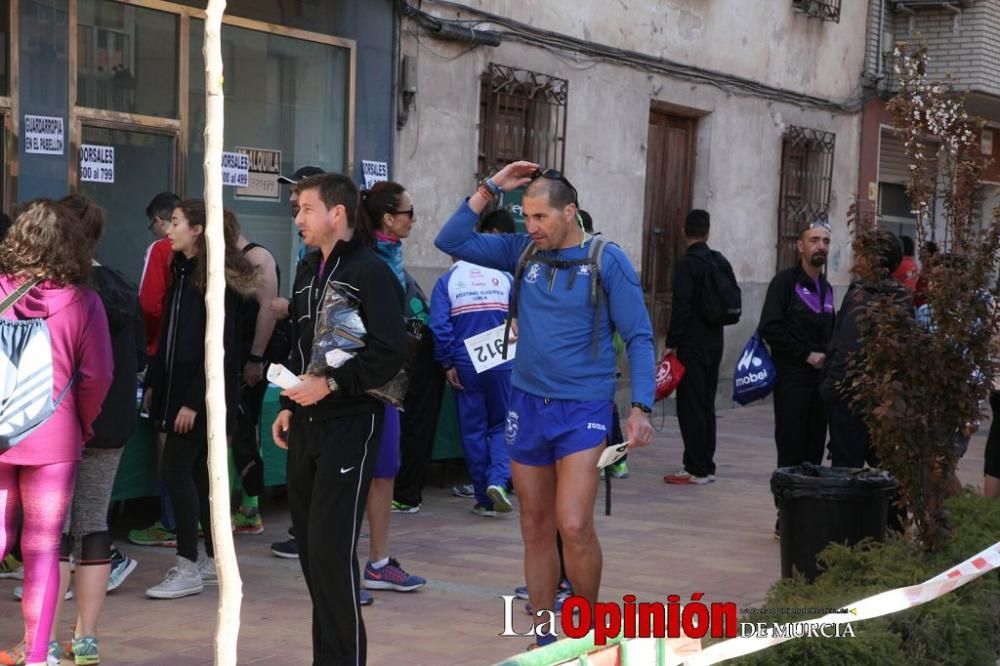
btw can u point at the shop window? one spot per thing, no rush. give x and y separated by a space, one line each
143 166
806 177
127 59
287 101
325 16
522 116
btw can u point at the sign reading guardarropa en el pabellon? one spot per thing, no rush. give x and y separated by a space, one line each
43 135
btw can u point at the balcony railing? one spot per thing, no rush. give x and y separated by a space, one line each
826 10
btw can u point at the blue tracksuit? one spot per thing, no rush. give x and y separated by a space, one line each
466 301
555 357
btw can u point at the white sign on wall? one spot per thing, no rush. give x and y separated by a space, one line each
374 172
235 170
262 178
97 164
43 135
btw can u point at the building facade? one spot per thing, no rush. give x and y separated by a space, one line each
748 110
107 97
963 44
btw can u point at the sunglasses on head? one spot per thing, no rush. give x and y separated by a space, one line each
552 174
820 224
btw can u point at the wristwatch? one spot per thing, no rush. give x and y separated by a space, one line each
331 384
253 358
642 407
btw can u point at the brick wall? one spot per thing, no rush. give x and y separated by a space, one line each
969 50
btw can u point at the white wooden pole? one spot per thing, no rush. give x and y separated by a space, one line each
230 586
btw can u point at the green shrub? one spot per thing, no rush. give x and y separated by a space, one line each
960 628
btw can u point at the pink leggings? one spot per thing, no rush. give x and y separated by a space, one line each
44 492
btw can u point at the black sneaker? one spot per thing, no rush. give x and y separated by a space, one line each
286 549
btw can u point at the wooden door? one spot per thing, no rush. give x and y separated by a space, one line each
669 176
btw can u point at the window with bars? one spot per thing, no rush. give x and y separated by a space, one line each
806 178
826 10
522 116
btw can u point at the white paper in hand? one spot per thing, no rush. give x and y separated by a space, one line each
612 454
281 376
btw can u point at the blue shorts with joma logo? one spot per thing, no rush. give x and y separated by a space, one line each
541 431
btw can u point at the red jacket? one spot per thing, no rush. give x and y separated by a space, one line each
908 273
153 290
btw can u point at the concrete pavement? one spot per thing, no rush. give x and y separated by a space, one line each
660 540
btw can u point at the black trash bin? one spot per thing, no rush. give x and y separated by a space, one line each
822 505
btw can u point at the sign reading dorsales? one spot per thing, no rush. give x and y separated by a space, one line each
374 172
265 167
43 135
235 170
97 164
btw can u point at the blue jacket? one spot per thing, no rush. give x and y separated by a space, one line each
555 356
466 301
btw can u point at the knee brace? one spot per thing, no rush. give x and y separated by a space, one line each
65 547
95 549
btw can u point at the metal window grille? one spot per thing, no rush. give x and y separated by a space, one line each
826 10
522 116
806 178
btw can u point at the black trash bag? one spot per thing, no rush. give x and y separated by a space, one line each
822 505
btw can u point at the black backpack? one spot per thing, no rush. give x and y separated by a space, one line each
721 298
597 297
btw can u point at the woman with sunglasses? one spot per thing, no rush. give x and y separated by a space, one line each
387 217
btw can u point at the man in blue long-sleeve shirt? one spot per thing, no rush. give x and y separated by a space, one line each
563 383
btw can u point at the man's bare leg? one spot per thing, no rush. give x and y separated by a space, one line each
536 494
991 486
576 491
379 516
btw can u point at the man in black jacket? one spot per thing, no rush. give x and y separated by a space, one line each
698 346
797 324
329 424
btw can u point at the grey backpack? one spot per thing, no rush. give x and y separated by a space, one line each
25 373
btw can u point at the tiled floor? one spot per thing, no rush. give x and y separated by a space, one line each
661 539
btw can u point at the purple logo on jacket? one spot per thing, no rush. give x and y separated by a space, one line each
810 297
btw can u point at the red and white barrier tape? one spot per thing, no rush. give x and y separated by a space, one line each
885 603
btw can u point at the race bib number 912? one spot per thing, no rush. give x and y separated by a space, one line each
486 349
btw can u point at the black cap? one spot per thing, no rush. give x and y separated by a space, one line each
301 174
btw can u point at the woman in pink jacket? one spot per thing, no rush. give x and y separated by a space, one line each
38 473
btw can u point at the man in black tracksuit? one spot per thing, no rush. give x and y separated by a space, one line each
698 346
797 324
329 424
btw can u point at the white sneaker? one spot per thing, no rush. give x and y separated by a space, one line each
182 580
206 567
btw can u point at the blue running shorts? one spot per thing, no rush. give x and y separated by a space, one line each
541 431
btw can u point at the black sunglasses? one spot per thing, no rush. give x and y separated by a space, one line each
408 211
552 174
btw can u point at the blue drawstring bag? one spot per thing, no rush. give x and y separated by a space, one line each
755 374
